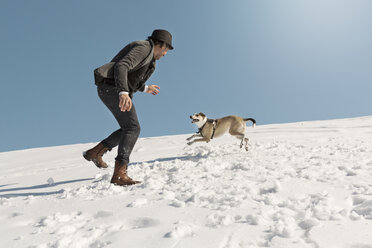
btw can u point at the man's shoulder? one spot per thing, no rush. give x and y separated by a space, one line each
139 48
144 43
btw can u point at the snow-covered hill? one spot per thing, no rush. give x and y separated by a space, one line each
303 184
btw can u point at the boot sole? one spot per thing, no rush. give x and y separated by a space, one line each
85 156
129 184
93 160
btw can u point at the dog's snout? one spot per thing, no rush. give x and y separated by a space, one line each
190 116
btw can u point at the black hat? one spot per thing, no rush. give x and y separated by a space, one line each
162 35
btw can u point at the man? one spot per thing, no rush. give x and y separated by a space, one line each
116 83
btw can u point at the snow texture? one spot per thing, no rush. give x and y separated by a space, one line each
305 184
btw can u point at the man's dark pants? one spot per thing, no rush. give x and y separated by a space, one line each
126 137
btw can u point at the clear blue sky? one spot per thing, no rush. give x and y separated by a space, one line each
275 61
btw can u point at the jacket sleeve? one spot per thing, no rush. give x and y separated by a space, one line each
126 64
148 74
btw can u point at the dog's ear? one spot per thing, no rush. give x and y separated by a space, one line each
202 114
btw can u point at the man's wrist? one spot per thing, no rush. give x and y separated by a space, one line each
123 93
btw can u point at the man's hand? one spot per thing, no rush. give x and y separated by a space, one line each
125 103
153 89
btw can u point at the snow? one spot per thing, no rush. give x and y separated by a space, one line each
304 184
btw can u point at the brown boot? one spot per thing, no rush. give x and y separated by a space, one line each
120 176
95 154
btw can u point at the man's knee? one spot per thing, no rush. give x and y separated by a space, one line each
137 129
129 124
133 128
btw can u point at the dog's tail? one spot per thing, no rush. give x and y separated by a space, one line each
252 120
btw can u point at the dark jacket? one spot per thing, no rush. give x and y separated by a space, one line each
130 68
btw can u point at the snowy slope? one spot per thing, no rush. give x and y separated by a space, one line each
300 185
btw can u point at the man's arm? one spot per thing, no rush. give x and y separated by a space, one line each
135 56
125 103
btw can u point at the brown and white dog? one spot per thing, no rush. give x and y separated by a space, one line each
213 128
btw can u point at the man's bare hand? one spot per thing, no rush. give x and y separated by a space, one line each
153 89
125 103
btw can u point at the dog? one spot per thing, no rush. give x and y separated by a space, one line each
213 128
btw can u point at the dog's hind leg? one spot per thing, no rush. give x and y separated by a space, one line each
241 143
239 136
241 140
246 143
244 140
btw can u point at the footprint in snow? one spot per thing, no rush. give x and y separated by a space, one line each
181 230
138 203
103 214
144 223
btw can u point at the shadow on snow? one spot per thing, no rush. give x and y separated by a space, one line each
41 186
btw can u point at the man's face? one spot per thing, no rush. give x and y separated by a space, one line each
160 51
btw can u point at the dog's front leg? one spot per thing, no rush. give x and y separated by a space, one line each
193 136
199 140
